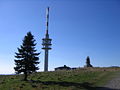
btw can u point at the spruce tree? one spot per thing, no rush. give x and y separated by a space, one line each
26 59
88 62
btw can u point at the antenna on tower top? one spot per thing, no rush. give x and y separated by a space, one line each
47 20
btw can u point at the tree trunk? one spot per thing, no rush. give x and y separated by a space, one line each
25 76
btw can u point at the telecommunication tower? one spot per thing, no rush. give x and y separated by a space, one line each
46 42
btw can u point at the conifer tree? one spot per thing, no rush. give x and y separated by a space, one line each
88 62
26 59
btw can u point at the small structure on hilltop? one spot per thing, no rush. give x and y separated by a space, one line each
88 62
63 68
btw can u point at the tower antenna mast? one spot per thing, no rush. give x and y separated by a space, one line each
47 19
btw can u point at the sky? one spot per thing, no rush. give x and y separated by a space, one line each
78 28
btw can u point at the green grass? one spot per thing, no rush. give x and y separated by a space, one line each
81 79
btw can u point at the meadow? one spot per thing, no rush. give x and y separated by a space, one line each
79 79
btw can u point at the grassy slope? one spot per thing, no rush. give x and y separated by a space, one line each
59 80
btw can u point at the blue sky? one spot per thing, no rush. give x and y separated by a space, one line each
79 28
